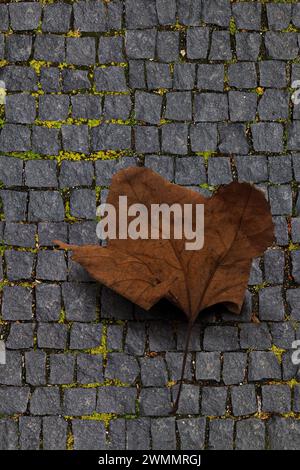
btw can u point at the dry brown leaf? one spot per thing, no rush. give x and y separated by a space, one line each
238 227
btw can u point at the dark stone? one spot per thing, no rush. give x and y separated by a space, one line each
52 335
203 137
51 266
117 107
16 303
208 366
110 79
284 433
138 434
234 367
35 367
242 75
148 107
86 107
88 435
271 305
122 367
89 16
48 302
279 15
192 433
45 400
89 368
76 174
24 16
158 75
267 137
243 400
163 433
281 200
220 48
22 235
11 170
15 138
140 44
174 138
242 106
190 170
54 433
272 74
53 107
11 371
184 76
255 336
276 398
146 139
162 165
220 338
79 401
62 368
281 45
210 107
85 335
49 47
221 434
13 400
179 106
247 15
120 400
57 17
263 365
232 138
274 266
155 402
250 434
247 46
20 336
216 12
45 141
18 47
40 173
167 45
30 432
214 401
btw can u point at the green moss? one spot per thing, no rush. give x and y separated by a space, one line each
68 216
75 33
207 186
259 91
104 417
48 124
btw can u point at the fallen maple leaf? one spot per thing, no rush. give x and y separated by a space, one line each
238 227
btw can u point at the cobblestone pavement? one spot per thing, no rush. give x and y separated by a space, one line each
200 91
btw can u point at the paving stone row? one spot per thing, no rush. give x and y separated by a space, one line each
202 92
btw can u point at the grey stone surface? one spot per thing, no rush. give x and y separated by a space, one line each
263 365
200 92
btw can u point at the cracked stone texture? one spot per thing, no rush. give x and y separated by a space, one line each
200 92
